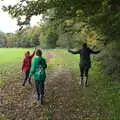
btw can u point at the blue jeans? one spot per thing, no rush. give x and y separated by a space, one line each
40 88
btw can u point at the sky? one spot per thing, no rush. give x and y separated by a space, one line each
9 25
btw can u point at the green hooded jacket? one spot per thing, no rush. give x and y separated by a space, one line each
35 64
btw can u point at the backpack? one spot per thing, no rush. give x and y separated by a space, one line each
40 69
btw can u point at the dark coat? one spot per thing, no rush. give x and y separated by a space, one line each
85 53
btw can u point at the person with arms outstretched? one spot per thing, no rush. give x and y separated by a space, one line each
26 65
85 62
38 70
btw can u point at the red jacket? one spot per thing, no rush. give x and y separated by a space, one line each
26 63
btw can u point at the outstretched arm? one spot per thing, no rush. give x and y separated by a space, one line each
32 55
94 52
74 52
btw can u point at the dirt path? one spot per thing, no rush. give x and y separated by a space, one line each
19 103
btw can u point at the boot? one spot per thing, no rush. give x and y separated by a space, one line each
30 82
86 82
23 83
81 81
42 101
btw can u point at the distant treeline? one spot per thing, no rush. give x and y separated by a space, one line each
50 35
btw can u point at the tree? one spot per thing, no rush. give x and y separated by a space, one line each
97 13
3 39
28 37
51 40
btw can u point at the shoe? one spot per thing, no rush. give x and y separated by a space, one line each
81 81
42 102
30 83
86 82
38 98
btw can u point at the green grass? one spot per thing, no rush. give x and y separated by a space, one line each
10 55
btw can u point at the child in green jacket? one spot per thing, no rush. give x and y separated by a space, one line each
38 70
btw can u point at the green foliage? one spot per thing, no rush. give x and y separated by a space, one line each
111 58
26 38
97 13
70 22
3 39
51 40
48 35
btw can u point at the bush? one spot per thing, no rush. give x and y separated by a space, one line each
110 58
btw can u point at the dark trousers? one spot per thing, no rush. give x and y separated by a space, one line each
26 77
84 71
40 88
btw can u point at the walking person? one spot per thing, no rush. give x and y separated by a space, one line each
38 70
26 65
85 62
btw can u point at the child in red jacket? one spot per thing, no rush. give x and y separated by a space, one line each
26 65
